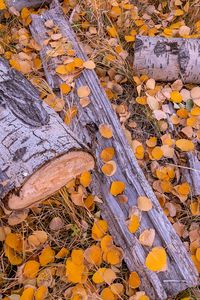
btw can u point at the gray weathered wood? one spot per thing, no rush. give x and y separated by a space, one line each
167 59
181 272
19 4
31 133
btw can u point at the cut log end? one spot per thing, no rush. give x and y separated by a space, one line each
50 178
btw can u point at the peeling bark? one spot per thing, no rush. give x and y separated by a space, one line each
181 272
167 59
32 138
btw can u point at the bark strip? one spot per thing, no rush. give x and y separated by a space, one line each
19 4
181 272
167 59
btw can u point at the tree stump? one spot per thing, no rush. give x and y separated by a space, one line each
38 153
181 272
167 59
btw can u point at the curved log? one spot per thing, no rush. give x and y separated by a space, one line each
167 59
19 4
38 153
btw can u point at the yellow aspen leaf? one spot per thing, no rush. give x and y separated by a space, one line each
144 203
98 276
198 254
14 241
76 273
99 229
107 154
77 256
157 153
109 168
196 262
31 269
117 187
106 131
109 276
114 255
185 145
195 111
89 202
115 11
182 113
166 186
139 152
133 223
129 38
47 256
178 12
107 294
93 255
117 288
70 114
183 189
191 121
62 253
176 97
195 208
147 237
144 297
151 142
41 293
106 243
28 294
111 31
85 179
141 100
78 62
134 280
65 88
2 5
168 31
61 70
56 103
89 64
70 67
12 256
83 91
156 260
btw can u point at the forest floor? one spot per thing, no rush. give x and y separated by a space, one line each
40 243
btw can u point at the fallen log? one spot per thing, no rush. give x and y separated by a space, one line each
167 59
19 4
181 272
38 153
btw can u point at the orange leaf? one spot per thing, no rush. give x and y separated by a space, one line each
111 31
41 293
31 269
99 229
107 154
157 153
117 187
28 294
144 203
83 91
77 256
98 276
156 260
85 179
47 256
176 97
133 223
106 131
114 255
93 255
134 280
12 256
185 145
65 88
14 241
109 168
62 253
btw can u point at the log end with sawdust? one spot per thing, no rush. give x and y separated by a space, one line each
38 153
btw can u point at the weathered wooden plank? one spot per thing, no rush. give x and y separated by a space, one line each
34 142
167 59
181 272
